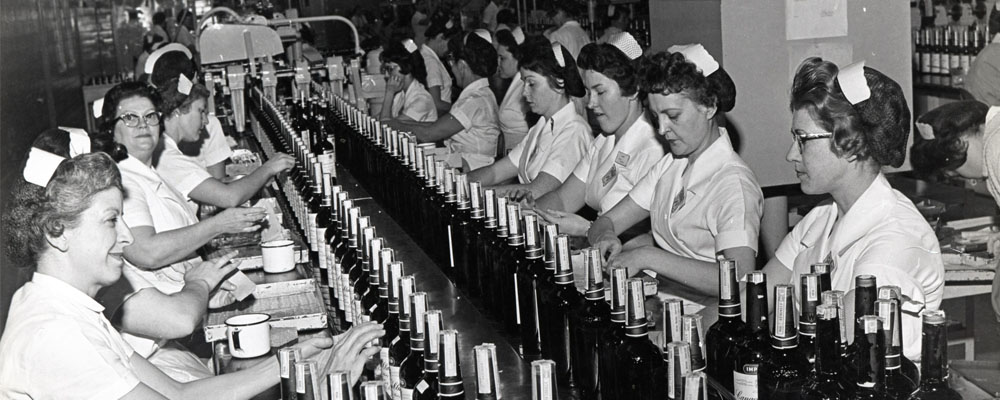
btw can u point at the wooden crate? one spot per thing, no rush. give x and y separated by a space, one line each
291 304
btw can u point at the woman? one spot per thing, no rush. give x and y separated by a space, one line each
184 117
568 31
469 130
842 141
408 99
702 199
166 234
624 152
546 157
435 46
57 345
513 109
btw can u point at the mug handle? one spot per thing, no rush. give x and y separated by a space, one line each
236 340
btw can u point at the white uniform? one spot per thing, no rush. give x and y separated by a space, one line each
415 102
476 109
698 211
437 74
181 171
58 345
610 169
215 149
991 152
553 146
883 235
490 16
571 36
513 114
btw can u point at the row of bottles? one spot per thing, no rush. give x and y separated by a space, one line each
941 53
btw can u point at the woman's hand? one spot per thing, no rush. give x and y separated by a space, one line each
609 245
212 272
280 162
569 223
634 259
346 352
238 219
393 84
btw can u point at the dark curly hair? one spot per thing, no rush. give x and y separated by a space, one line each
409 63
476 52
172 99
607 60
667 73
37 212
876 128
506 39
947 151
539 57
169 66
439 26
104 139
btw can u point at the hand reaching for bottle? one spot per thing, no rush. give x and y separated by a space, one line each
238 219
279 163
212 272
346 352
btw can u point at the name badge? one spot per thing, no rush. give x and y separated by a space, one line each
610 176
622 159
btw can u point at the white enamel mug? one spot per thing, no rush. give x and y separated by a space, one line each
278 256
249 335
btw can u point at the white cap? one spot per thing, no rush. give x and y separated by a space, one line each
697 54
627 44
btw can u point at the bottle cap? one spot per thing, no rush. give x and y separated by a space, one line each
487 374
434 324
673 328
636 324
595 273
619 293
678 365
784 335
694 335
543 380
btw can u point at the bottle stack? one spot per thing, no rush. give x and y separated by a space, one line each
942 55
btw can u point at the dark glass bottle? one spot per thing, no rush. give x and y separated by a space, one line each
485 237
785 371
546 288
361 271
450 384
427 388
865 294
809 295
588 324
391 272
869 367
897 385
934 359
497 250
446 210
287 357
895 346
399 347
372 391
371 300
338 386
823 269
722 338
677 359
638 361
754 348
487 373
344 261
458 228
411 370
508 260
615 336
526 284
836 298
543 380
473 236
694 335
381 314
825 383
307 381
696 386
556 323
321 224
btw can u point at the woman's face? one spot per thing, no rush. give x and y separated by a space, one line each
439 44
191 123
819 170
607 102
140 141
973 167
685 124
95 244
391 70
506 63
543 99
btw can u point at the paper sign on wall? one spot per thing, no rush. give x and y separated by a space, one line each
809 19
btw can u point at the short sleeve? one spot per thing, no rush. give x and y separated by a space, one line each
582 169
135 208
73 361
567 149
791 245
991 154
421 109
215 149
643 191
433 73
735 211
464 112
182 172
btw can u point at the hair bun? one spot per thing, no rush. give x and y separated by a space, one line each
724 88
886 119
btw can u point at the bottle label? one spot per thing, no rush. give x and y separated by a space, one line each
321 248
780 313
483 373
450 358
451 251
329 162
955 61
394 381
422 386
311 231
284 364
745 383
300 383
517 301
545 386
725 288
405 394
925 63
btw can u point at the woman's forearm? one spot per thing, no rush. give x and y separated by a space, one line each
151 250
701 276
242 384
152 313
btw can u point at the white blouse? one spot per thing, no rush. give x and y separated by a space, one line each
553 146
476 109
611 168
513 114
414 102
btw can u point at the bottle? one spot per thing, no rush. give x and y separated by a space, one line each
345 262
372 391
322 223
935 53
391 324
836 299
934 359
411 370
895 346
588 324
678 364
484 253
614 337
427 388
307 380
638 359
332 235
459 229
869 362
865 294
694 335
287 357
527 277
809 292
546 288
387 257
474 235
696 386
507 262
446 209
370 298
361 271
487 373
543 380
451 386
400 346
754 348
897 385
925 56
824 383
673 310
556 324
338 386
722 338
785 371
497 251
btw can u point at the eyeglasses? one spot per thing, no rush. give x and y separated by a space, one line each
802 137
132 120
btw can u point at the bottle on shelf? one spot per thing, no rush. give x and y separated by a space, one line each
754 348
637 358
381 314
588 324
869 361
897 385
487 373
527 283
546 288
400 346
543 380
615 336
809 292
427 388
934 359
678 365
338 386
722 338
556 323
411 370
824 383
786 370
450 381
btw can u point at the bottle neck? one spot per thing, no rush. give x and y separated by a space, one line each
934 355
870 361
828 359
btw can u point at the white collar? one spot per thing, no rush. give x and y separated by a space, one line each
570 22
709 162
869 210
56 287
474 86
564 115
